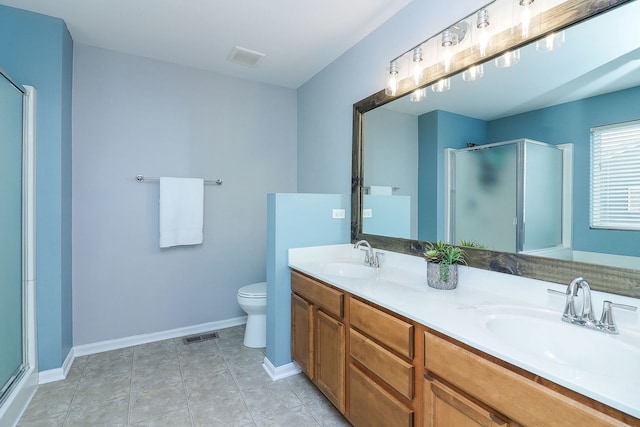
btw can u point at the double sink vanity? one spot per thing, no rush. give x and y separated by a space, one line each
388 350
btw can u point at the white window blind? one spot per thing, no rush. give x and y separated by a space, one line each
615 176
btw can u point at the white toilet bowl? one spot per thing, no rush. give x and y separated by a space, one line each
253 300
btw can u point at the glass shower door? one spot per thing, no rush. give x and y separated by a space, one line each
484 208
11 267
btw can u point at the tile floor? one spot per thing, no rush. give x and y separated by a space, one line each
166 383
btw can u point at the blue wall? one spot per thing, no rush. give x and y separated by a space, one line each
439 130
37 50
571 123
294 221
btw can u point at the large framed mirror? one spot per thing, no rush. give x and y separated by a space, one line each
409 158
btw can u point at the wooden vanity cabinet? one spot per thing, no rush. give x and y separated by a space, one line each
381 367
318 335
465 384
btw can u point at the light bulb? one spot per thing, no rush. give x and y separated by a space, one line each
392 79
483 32
417 65
525 17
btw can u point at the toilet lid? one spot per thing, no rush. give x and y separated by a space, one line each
256 290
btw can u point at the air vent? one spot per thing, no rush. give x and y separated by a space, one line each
246 57
199 338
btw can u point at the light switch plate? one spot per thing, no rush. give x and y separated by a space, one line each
367 213
338 213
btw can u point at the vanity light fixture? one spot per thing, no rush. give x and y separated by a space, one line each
508 59
525 17
392 79
551 42
441 85
417 65
418 95
483 32
473 73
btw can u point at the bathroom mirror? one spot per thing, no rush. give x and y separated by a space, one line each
543 97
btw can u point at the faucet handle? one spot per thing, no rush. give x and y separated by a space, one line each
378 259
607 323
554 292
569 313
367 259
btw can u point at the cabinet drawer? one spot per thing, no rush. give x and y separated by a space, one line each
519 398
371 406
390 331
331 300
392 369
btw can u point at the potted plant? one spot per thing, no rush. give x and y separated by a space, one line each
442 265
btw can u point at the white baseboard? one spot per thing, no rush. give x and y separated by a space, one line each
102 346
58 374
279 372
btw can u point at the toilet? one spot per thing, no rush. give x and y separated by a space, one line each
253 300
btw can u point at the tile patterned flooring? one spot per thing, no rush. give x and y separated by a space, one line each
166 383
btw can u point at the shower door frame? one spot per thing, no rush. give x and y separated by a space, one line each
20 392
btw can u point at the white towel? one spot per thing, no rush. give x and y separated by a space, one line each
381 190
181 211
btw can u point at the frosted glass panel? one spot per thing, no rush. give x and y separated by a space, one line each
542 197
485 197
11 353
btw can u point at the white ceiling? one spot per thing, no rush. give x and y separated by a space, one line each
299 37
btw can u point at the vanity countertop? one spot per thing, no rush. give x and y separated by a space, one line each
468 312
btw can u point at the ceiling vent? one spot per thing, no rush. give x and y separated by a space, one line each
246 57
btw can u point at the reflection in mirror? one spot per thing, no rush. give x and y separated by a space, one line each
563 86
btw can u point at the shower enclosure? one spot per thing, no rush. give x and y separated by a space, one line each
11 310
18 367
507 196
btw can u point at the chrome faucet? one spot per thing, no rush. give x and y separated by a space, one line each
587 317
370 259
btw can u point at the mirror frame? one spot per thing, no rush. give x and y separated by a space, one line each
609 279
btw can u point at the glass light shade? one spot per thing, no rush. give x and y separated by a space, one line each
416 65
418 95
393 81
449 39
441 85
551 42
483 38
525 17
473 73
508 59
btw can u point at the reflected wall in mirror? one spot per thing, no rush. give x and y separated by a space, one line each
404 155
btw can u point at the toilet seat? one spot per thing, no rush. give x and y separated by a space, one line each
256 290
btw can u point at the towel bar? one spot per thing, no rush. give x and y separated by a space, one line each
141 178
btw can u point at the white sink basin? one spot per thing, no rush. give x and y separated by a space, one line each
350 270
541 333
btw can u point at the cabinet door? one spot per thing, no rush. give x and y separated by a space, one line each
302 334
444 407
330 358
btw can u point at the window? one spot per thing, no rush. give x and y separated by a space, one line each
615 176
